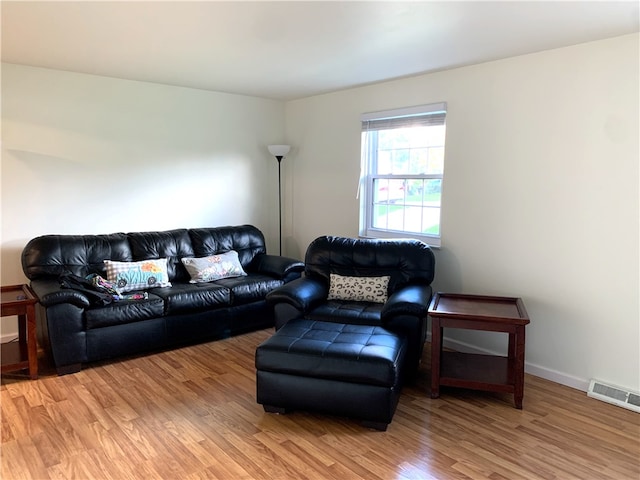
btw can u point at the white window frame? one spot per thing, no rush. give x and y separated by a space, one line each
368 166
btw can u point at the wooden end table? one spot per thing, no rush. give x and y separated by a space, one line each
19 300
474 371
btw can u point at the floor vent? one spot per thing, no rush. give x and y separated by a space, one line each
615 395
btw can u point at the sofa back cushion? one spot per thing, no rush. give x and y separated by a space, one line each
51 255
403 260
171 244
247 240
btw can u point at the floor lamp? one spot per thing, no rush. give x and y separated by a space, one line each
279 151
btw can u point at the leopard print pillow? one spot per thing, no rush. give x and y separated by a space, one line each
358 289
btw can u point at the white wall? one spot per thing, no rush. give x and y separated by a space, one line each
85 154
540 196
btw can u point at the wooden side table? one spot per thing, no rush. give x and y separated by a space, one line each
19 300
474 371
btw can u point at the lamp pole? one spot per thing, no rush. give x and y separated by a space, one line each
279 158
279 151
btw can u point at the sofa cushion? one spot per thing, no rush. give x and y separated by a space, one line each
247 240
129 276
359 289
185 297
171 244
357 313
51 255
213 267
250 288
124 311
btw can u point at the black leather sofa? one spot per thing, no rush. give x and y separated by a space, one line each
76 331
410 266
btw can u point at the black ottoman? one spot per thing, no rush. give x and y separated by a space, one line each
347 370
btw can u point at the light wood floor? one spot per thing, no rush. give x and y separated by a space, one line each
191 413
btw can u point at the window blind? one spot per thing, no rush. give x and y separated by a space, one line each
419 116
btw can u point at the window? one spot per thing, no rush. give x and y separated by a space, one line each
402 171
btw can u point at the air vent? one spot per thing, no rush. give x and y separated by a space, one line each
615 395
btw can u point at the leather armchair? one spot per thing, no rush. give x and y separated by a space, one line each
409 263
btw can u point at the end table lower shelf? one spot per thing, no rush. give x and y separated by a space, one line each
474 371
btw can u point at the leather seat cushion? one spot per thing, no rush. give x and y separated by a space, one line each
250 288
185 297
350 353
344 311
124 311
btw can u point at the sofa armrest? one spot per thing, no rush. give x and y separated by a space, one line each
277 266
302 293
49 293
410 300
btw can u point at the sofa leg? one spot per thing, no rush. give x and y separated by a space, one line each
66 369
272 409
380 426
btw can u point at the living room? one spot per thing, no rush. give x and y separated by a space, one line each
540 197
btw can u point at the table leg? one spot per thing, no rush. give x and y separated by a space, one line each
436 356
511 356
518 367
32 345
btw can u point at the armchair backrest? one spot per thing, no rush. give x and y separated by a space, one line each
404 260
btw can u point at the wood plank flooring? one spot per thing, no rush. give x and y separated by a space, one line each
191 413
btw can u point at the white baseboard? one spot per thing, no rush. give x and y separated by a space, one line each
8 328
8 337
531 368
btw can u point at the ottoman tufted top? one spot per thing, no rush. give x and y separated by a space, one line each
351 353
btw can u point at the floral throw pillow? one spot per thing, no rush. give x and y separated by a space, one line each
214 267
358 289
128 276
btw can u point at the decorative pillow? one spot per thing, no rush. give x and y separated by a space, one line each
215 267
359 289
128 276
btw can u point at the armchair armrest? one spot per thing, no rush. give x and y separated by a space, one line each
301 293
410 300
49 293
277 266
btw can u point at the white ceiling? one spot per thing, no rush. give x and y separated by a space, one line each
287 50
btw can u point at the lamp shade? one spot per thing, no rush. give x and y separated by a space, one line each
279 150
